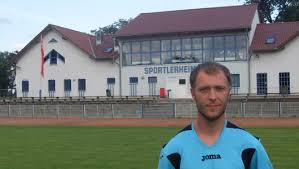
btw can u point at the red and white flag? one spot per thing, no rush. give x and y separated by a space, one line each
42 55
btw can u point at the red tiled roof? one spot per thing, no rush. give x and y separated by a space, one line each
193 20
84 41
282 32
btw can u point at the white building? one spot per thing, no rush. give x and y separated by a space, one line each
75 64
158 50
156 53
275 59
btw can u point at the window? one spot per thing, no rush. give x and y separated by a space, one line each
186 50
155 52
156 57
219 48
182 81
127 59
284 83
166 57
111 80
176 50
152 82
235 80
82 84
133 79
196 43
241 47
181 50
51 85
152 79
126 53
136 59
197 56
270 40
67 87
136 55
25 88
186 44
133 85
261 83
53 40
53 56
230 48
145 52
81 87
51 88
197 50
166 51
110 85
208 49
155 46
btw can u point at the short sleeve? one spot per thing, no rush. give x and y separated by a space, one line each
164 163
261 159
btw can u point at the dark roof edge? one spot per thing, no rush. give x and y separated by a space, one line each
181 33
229 6
266 50
71 29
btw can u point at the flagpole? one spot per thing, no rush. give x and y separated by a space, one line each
42 66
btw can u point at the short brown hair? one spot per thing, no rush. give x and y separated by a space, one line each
209 68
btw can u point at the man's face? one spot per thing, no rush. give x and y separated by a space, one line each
211 94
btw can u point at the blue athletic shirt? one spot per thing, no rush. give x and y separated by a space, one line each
234 149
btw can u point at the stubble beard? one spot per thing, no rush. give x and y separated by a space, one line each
210 118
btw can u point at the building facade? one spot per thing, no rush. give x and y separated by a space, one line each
159 50
155 53
74 65
274 61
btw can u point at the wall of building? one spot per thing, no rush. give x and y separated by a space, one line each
254 23
77 65
272 63
168 77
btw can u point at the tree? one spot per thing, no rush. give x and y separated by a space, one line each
7 73
289 12
277 10
111 29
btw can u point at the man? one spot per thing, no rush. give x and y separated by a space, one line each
212 142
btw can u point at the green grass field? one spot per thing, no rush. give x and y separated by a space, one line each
69 147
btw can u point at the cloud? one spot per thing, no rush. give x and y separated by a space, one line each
5 21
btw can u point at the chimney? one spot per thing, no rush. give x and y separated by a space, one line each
99 37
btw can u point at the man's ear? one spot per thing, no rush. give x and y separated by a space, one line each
192 92
229 96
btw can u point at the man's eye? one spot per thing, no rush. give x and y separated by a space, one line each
220 89
204 90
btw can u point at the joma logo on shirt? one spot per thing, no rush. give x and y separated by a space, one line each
211 157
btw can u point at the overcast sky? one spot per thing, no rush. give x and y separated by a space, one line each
21 21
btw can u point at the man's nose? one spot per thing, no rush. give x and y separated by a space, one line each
212 94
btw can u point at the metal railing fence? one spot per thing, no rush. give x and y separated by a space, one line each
140 108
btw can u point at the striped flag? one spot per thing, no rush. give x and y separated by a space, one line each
42 55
